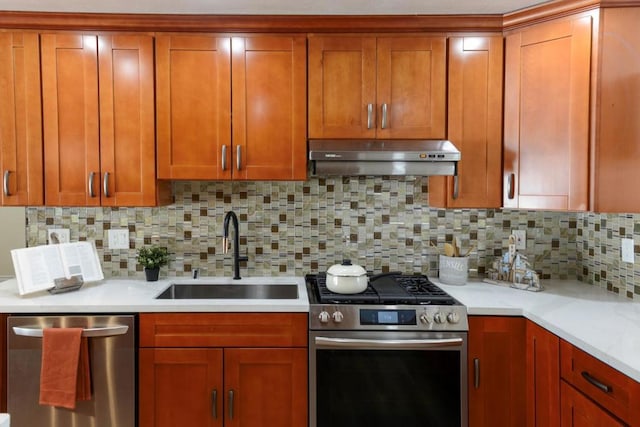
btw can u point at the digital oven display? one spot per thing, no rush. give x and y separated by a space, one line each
387 317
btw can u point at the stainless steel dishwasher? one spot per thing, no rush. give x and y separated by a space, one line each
112 361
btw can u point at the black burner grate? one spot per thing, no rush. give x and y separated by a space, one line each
390 289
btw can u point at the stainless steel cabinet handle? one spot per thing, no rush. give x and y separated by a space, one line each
224 157
90 184
107 331
512 178
214 403
456 184
230 404
238 157
595 382
369 116
476 373
5 183
324 342
383 125
105 184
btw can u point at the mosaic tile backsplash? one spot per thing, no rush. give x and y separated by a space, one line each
383 224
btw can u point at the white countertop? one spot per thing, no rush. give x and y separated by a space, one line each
601 323
138 295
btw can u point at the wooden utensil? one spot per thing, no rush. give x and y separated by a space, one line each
449 250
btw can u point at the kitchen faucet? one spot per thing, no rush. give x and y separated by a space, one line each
236 243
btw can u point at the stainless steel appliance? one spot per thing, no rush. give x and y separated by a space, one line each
393 355
425 157
112 361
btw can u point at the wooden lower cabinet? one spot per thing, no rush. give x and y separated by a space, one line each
214 370
216 387
579 411
542 377
496 366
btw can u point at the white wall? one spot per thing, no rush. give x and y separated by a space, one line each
12 236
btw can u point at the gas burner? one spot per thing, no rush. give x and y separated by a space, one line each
389 289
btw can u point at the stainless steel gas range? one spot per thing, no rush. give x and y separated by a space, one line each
394 354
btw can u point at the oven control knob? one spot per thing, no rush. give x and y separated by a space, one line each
337 316
324 317
439 317
453 317
426 319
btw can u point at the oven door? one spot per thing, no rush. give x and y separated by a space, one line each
387 378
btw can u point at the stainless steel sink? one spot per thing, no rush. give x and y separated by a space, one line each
229 291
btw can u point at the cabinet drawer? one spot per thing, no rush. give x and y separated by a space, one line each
223 330
608 387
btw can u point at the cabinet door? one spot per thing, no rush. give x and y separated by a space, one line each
193 96
342 87
265 387
127 119
70 119
474 125
543 377
20 120
269 108
616 155
180 387
411 87
578 411
546 144
496 371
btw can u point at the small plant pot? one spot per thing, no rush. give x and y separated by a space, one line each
152 274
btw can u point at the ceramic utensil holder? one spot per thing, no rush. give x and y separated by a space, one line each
454 270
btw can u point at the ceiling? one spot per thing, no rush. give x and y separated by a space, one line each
274 7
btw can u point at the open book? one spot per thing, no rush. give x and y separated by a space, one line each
38 267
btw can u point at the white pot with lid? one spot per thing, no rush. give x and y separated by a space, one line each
347 278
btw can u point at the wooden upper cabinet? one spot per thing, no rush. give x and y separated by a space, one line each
21 163
377 87
474 124
193 96
99 145
71 119
546 115
127 120
269 80
618 134
197 139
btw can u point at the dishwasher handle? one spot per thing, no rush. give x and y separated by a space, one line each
107 331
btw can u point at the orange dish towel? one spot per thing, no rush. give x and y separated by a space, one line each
65 376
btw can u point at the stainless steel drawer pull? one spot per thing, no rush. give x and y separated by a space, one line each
323 342
224 157
107 331
369 116
214 403
90 184
230 404
383 125
238 157
105 184
595 382
476 373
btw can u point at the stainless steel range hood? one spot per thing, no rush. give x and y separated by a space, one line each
383 157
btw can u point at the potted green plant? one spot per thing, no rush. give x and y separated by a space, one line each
152 258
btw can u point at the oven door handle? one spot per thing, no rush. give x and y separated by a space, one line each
338 343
